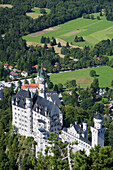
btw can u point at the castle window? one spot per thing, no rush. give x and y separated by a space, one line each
18 109
15 122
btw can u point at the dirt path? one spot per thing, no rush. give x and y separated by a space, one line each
43 32
6 5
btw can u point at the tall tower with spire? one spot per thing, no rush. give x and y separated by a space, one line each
98 131
42 83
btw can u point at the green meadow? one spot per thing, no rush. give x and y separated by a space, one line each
82 76
92 31
36 12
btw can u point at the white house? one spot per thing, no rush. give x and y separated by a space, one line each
13 75
24 73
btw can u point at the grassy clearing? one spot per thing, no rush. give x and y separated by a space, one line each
6 6
92 31
105 76
33 15
36 12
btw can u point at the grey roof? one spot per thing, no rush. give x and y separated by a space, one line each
98 116
38 102
85 140
42 103
42 130
85 121
78 129
28 95
20 97
55 98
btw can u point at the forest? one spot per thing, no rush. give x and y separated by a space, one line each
15 24
17 152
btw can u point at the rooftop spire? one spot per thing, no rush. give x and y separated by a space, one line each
42 72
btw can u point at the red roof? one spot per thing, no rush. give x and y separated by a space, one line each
19 71
98 58
56 63
44 69
10 67
6 64
30 86
36 66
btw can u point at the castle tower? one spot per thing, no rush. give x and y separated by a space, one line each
85 128
42 83
29 112
98 131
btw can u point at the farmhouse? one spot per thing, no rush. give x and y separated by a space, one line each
10 67
6 65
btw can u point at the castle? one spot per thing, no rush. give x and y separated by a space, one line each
36 116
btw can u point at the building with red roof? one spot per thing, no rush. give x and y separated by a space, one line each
32 87
36 66
6 65
10 67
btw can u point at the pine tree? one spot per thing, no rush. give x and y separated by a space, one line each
43 39
59 44
99 158
67 44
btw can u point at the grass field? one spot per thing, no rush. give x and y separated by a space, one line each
82 77
36 12
92 31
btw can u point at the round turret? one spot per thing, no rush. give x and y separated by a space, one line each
85 125
98 119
